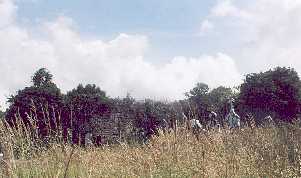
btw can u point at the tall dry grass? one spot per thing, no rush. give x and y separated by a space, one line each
272 151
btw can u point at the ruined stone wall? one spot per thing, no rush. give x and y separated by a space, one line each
110 128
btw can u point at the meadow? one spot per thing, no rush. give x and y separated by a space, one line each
269 151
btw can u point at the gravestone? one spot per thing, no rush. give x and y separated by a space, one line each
88 139
232 118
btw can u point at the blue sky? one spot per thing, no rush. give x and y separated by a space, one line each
111 17
172 25
155 49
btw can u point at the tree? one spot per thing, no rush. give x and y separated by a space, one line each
220 95
83 103
124 105
41 102
152 115
275 92
42 77
219 98
202 101
199 101
201 89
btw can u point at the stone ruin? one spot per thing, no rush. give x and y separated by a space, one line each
110 128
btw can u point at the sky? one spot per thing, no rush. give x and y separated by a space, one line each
155 49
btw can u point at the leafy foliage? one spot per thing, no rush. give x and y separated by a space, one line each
42 101
202 101
199 90
42 77
219 98
199 98
83 103
275 92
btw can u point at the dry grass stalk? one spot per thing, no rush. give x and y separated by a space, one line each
272 151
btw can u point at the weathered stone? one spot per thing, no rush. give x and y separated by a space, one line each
232 118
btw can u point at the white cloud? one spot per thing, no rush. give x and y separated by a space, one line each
7 12
266 33
206 26
227 8
117 66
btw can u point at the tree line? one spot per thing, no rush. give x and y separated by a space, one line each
276 92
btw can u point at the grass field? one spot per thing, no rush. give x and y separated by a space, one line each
249 152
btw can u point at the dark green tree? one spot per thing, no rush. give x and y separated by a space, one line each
124 105
219 98
152 115
40 102
199 100
42 77
275 92
201 89
83 103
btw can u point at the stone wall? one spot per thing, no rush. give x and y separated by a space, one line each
110 128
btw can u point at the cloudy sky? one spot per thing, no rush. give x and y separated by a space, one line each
150 48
